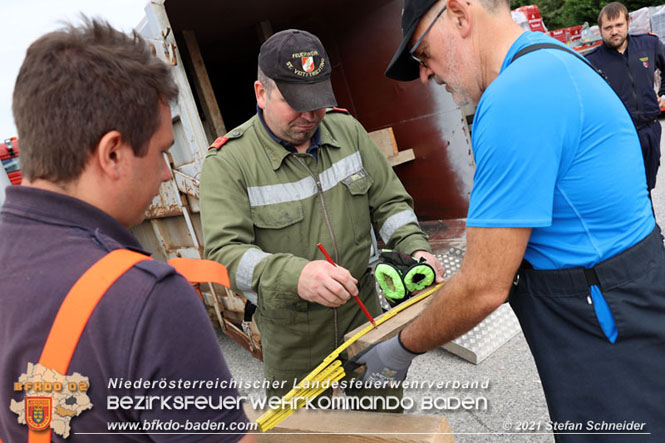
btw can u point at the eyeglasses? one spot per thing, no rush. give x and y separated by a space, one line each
413 50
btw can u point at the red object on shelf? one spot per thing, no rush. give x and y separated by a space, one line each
9 159
537 25
531 11
574 33
559 34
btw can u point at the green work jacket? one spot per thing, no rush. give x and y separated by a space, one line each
264 209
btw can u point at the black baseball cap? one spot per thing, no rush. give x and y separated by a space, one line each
402 67
299 65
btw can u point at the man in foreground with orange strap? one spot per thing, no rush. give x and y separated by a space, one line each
91 108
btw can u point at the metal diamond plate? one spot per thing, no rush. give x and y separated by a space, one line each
490 334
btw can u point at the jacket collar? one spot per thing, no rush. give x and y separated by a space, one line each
277 153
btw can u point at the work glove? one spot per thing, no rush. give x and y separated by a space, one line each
386 362
400 275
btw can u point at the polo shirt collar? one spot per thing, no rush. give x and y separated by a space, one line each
60 209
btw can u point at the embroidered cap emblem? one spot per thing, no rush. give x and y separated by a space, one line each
308 64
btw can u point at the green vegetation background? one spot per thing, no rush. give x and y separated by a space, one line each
565 13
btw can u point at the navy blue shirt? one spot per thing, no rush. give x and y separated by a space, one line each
631 74
150 325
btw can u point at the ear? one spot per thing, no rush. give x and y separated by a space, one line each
260 92
461 16
111 154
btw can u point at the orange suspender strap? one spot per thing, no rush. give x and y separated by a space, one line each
75 312
201 271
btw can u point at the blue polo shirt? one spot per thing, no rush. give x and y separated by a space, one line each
556 151
150 325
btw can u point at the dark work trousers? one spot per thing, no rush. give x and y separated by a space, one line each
586 378
650 141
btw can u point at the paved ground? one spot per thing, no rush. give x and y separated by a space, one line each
514 397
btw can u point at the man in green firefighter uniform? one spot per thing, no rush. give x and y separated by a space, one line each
298 173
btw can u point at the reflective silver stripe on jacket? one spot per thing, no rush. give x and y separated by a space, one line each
305 188
338 171
394 222
282 193
245 272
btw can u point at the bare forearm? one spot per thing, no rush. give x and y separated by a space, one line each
481 285
455 310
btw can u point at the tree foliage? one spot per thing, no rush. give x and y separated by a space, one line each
565 13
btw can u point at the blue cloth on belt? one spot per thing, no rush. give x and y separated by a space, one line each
604 315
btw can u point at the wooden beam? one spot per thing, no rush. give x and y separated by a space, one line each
402 157
386 330
385 140
355 427
203 86
264 30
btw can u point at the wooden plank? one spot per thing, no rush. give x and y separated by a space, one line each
264 30
386 330
385 140
203 86
402 157
356 426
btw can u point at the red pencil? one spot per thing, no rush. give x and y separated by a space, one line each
355 297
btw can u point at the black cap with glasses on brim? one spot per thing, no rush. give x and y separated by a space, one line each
402 67
300 67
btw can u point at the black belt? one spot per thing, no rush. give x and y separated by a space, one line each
608 274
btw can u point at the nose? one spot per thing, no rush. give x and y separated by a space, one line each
309 116
426 74
166 169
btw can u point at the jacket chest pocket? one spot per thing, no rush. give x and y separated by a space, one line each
278 226
357 187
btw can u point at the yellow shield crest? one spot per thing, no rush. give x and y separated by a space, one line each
38 412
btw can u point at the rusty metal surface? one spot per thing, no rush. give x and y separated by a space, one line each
186 184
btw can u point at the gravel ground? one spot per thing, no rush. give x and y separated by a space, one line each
513 398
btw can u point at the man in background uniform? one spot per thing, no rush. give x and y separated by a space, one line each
292 176
629 62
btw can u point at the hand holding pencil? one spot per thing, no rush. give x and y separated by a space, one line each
355 296
326 284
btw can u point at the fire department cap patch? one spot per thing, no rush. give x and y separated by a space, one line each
298 63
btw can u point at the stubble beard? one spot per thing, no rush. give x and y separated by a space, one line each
460 95
610 43
299 136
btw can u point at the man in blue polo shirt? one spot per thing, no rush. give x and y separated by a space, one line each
559 216
629 62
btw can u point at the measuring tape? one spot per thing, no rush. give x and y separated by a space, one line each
329 371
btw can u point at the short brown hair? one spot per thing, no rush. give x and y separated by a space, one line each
611 11
78 83
268 83
495 5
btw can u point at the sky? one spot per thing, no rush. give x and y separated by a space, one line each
23 21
